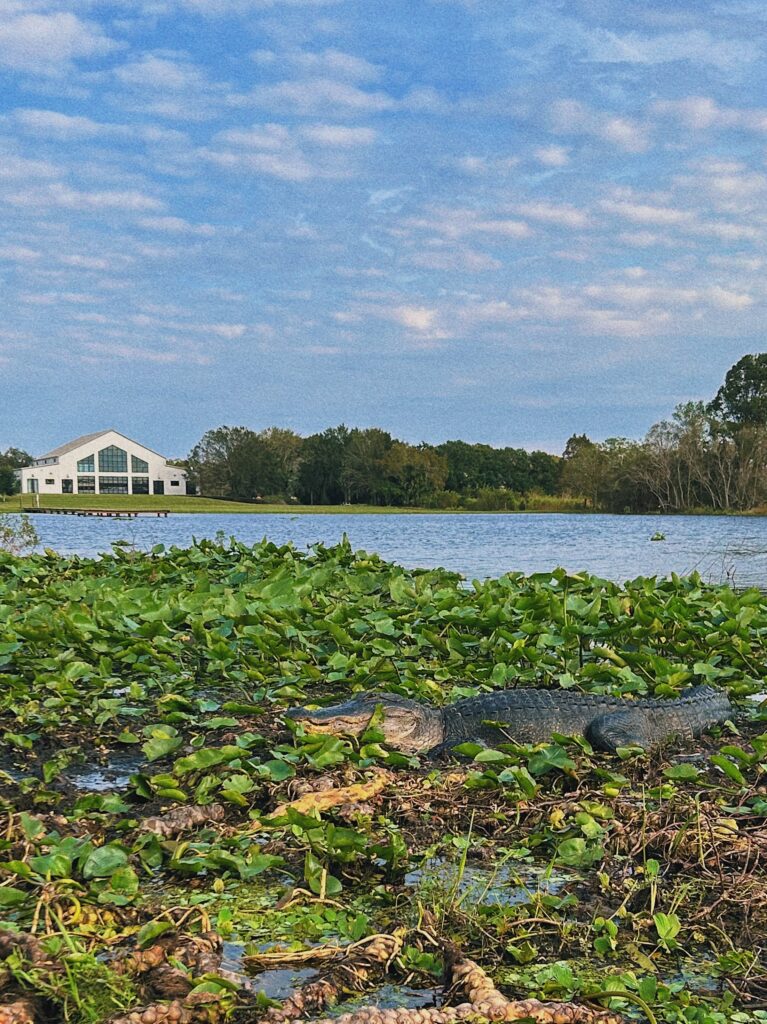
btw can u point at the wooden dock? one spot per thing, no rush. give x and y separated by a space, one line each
101 513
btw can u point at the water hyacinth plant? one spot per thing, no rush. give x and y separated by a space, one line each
155 801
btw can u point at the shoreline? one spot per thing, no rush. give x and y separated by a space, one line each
215 506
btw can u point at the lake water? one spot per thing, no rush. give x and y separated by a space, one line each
615 547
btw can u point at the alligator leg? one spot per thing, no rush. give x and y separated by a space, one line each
620 729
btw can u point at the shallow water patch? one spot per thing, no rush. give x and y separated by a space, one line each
115 774
503 884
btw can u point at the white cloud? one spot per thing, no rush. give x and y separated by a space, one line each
647 213
479 165
176 74
337 135
18 254
287 166
229 332
52 124
701 113
134 353
575 118
320 95
21 168
64 197
460 222
85 262
441 255
53 298
696 45
45 43
293 154
332 63
559 214
218 8
176 226
417 318
503 227
552 156
660 295
169 84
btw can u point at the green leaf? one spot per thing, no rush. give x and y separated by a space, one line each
682 772
102 861
151 931
12 897
729 768
207 757
160 746
491 756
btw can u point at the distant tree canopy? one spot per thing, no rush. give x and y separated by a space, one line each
742 399
710 456
11 460
366 466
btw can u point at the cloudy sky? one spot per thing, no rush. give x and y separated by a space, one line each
449 218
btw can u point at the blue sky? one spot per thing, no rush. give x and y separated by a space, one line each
448 218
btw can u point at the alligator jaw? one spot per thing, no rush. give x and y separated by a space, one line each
406 725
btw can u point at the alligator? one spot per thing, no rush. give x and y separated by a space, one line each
524 715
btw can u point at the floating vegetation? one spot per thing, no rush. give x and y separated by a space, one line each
174 849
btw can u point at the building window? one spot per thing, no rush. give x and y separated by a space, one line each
66 486
113 484
49 481
87 465
86 485
140 485
113 460
138 465
174 483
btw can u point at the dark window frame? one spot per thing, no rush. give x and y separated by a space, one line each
113 459
113 485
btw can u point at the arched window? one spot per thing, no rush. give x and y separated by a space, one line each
113 460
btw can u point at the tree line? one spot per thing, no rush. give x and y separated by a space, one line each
365 466
707 455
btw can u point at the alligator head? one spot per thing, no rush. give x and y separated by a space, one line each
406 724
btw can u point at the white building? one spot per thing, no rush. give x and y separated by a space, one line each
103 463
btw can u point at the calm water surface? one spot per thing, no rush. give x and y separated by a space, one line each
615 547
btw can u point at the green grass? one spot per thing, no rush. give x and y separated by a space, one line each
183 503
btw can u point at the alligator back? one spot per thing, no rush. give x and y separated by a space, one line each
531 716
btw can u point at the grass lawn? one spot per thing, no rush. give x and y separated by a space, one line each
183 503
178 503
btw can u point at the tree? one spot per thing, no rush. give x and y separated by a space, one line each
584 468
545 470
287 448
322 461
415 472
11 460
742 399
234 462
363 475
17 534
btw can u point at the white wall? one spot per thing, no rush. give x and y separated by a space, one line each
49 474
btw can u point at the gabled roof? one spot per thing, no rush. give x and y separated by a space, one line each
78 442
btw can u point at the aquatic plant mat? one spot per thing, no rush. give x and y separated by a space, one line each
173 850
